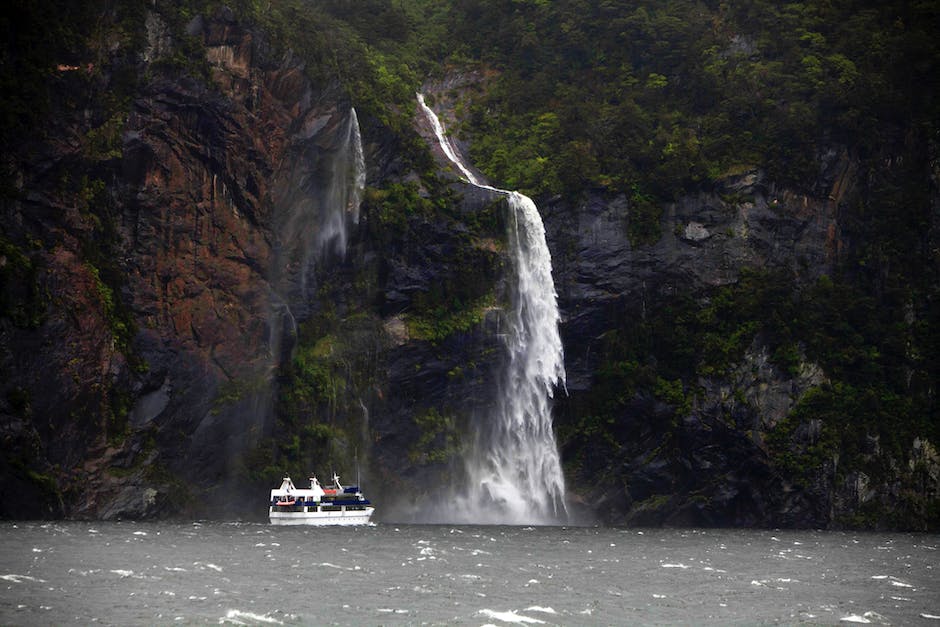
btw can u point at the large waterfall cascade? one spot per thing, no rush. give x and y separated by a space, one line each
514 472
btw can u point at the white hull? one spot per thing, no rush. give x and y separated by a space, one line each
315 518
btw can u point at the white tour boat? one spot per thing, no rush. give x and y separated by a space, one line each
319 506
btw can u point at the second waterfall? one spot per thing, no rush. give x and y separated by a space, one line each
513 469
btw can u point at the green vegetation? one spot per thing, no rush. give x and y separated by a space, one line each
439 322
392 207
332 367
439 440
318 426
234 391
458 299
877 361
120 325
22 298
104 142
100 246
670 95
375 51
643 218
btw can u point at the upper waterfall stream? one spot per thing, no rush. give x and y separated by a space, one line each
513 468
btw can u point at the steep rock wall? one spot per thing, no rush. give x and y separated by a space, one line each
718 447
155 416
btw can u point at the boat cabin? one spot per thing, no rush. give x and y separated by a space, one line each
315 499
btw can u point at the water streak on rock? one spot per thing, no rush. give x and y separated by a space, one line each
343 193
318 204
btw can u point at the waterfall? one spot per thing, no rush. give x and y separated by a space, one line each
317 204
513 468
343 192
449 150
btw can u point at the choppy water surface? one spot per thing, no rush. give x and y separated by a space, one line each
125 573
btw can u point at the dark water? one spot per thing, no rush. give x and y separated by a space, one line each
124 573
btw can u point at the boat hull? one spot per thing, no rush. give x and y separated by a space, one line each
321 518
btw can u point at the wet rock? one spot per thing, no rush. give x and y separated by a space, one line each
695 232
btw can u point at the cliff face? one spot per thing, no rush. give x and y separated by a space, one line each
731 444
705 461
145 375
175 336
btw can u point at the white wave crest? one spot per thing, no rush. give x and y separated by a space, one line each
20 578
235 616
539 608
511 617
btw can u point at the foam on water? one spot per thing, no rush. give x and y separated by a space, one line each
20 578
209 565
236 616
511 617
865 619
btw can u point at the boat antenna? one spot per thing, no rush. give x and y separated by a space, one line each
358 483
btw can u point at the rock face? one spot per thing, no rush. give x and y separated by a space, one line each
706 452
706 242
706 465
